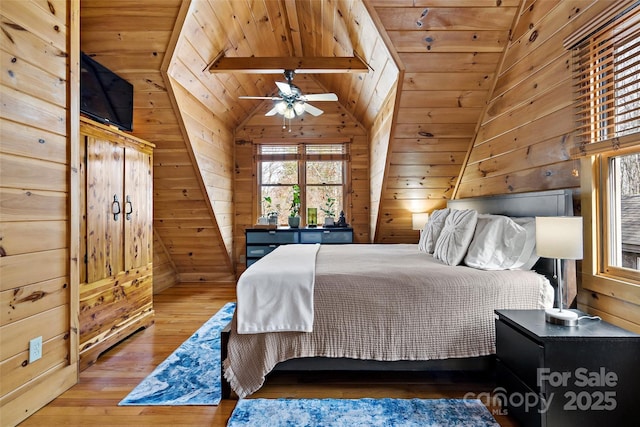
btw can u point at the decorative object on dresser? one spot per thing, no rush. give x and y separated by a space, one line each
116 281
550 375
342 221
294 210
559 238
329 211
312 217
260 242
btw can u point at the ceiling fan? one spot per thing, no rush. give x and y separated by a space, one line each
292 102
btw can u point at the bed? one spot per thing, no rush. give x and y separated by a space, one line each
385 307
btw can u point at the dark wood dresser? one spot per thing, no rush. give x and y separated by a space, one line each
262 241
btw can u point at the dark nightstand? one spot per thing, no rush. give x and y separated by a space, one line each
554 375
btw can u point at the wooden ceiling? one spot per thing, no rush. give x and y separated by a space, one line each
442 54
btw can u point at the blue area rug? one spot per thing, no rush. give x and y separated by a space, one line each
361 412
191 374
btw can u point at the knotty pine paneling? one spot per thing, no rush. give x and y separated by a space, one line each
35 289
211 143
450 52
527 133
164 271
245 185
378 149
132 39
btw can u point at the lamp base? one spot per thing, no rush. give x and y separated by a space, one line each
563 318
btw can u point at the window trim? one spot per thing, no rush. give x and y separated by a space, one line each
603 218
591 278
596 276
301 159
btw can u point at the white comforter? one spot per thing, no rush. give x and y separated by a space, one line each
276 293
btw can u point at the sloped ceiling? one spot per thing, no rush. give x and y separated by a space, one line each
276 28
450 51
443 52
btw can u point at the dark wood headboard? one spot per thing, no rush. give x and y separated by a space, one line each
540 203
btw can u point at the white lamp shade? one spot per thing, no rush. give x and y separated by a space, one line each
281 107
298 107
559 237
418 220
289 113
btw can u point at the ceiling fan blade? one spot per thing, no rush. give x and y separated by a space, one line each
320 97
271 112
285 88
273 98
314 111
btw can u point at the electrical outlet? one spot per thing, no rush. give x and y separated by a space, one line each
35 349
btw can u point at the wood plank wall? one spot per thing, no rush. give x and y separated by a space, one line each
335 123
164 271
449 51
378 151
34 204
356 30
211 144
132 40
527 133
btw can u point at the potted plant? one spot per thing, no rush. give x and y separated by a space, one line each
329 211
294 211
272 214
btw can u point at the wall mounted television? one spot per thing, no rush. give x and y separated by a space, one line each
105 96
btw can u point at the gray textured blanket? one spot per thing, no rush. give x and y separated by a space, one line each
389 302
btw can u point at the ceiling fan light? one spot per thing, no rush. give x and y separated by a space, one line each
281 107
289 113
298 107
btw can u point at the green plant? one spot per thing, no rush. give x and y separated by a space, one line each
295 201
329 207
267 208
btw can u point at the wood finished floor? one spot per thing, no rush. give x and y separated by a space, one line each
180 311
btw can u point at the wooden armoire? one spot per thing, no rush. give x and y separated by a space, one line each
116 277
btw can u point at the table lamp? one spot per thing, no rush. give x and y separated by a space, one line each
559 237
418 220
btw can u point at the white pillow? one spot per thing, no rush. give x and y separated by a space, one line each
422 243
433 229
456 235
529 256
497 244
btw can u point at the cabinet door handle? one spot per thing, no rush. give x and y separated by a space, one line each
115 207
128 206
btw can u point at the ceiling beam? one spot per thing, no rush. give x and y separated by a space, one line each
277 65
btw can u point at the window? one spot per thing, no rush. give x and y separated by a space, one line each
320 170
620 214
608 70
